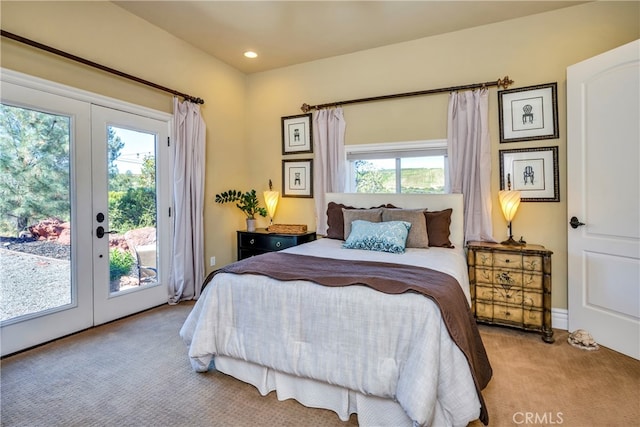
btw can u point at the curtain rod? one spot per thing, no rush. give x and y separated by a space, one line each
67 55
504 83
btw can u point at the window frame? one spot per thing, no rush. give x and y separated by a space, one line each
397 150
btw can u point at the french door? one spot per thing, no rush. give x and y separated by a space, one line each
84 212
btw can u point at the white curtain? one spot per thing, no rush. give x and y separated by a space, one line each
187 270
470 160
329 169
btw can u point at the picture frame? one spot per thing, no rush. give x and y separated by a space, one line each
528 113
297 134
297 178
532 171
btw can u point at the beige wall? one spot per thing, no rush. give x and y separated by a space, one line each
106 34
533 50
243 112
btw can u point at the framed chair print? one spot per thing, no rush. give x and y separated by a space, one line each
532 171
297 178
296 134
528 113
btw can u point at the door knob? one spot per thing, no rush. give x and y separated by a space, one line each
100 232
575 222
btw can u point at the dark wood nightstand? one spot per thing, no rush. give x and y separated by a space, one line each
261 241
511 286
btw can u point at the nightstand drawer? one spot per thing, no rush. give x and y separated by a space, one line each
529 318
532 280
499 312
507 278
513 261
484 259
532 263
484 275
517 296
266 242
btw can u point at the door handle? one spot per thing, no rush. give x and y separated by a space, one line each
100 232
575 222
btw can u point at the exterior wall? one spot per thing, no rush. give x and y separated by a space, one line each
532 50
107 34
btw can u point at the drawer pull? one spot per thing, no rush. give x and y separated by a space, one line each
278 244
252 241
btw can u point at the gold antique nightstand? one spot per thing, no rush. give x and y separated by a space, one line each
511 286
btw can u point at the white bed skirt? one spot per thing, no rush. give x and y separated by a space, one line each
372 410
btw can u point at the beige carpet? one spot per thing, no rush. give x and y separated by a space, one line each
135 372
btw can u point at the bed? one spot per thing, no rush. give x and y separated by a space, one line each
380 349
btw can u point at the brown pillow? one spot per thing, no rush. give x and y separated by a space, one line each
350 215
418 237
335 219
438 223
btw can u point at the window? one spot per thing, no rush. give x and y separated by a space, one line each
398 167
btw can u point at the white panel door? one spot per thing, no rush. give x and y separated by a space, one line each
603 174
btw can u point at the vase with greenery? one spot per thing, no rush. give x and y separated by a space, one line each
247 202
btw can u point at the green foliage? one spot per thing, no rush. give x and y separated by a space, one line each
120 263
148 172
34 167
114 146
35 174
134 208
370 179
247 202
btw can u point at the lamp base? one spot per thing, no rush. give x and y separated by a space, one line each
511 242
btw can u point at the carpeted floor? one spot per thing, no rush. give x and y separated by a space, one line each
135 372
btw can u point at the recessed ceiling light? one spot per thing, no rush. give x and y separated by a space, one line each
250 54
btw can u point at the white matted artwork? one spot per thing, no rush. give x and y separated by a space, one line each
533 172
296 134
297 178
528 113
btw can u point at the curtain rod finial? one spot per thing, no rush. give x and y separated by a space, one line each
505 82
305 107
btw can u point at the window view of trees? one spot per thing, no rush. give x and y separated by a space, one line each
35 175
34 168
387 175
132 197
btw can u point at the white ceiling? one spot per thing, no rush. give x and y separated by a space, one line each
285 33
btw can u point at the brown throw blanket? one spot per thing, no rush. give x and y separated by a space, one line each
390 278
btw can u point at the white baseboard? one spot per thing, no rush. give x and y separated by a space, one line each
560 318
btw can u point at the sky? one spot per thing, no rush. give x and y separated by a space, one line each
137 146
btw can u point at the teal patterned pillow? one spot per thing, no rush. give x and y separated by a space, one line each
390 236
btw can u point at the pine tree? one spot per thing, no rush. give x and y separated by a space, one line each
34 167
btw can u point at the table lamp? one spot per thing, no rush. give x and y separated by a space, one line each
271 200
509 202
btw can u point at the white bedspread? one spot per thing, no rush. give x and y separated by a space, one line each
390 346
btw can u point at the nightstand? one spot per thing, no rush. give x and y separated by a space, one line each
258 242
511 286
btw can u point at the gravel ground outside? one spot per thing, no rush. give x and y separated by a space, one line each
31 283
35 275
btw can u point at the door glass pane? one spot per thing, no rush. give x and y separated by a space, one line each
35 213
132 209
